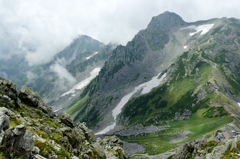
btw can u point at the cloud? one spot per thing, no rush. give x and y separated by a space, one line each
65 79
41 28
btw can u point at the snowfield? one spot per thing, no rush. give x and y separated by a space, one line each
84 82
201 28
144 88
91 55
239 104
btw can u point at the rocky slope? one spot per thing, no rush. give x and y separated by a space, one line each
30 129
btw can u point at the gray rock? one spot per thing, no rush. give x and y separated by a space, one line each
201 95
1 136
28 141
32 98
66 119
99 149
35 150
18 130
52 156
29 96
18 142
8 88
183 116
38 157
88 132
4 121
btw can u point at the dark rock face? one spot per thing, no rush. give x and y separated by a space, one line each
29 129
8 93
32 98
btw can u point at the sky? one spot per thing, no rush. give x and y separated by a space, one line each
39 29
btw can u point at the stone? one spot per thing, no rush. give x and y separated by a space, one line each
1 136
29 96
28 141
35 150
32 98
87 132
8 88
66 119
52 156
39 157
99 149
18 130
4 121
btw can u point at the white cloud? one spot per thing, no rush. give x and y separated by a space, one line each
65 79
41 28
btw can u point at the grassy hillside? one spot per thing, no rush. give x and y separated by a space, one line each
195 83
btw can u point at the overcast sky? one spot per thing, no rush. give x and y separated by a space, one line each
41 28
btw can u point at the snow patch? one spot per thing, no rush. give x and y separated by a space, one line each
201 28
185 46
154 82
84 82
144 88
239 104
91 55
57 110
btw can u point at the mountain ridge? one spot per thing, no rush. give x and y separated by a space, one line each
201 62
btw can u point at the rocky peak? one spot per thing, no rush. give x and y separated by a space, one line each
166 20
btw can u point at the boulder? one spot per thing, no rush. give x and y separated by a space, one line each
8 88
99 149
87 132
4 120
30 97
66 119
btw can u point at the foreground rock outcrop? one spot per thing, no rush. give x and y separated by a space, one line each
30 129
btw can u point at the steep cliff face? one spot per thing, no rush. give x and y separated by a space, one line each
30 129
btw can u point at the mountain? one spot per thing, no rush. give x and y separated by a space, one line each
80 61
174 82
128 66
29 129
